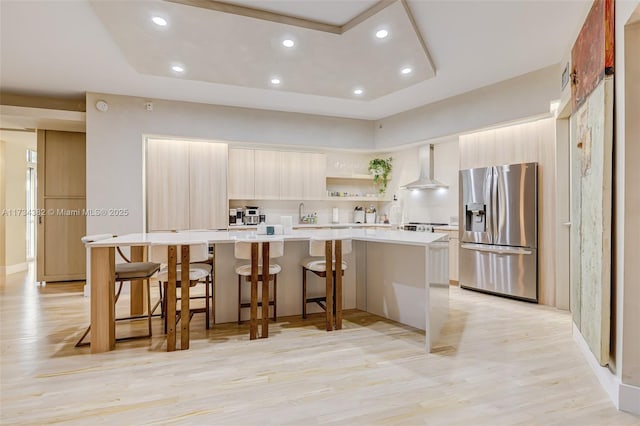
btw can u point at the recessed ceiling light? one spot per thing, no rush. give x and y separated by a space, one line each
406 70
161 22
382 33
358 92
177 68
288 43
275 81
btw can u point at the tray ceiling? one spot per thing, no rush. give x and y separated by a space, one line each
228 48
65 48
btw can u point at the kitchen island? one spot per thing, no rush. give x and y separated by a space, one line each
395 274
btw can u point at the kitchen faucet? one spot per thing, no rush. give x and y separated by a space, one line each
300 212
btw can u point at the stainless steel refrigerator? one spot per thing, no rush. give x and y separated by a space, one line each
499 230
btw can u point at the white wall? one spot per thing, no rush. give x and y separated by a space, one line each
439 205
16 229
626 205
115 152
13 181
520 97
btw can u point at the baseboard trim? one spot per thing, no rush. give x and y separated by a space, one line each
629 397
14 269
625 397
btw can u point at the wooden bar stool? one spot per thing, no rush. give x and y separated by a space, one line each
128 271
197 272
259 252
323 251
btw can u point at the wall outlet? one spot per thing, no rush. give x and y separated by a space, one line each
149 106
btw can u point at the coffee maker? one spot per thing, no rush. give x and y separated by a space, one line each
252 215
239 215
232 216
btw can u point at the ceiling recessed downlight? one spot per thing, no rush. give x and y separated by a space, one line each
177 68
288 43
159 21
406 70
358 91
382 33
275 81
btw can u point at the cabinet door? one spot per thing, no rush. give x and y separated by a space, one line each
267 175
167 185
61 186
292 171
207 185
453 256
315 176
241 174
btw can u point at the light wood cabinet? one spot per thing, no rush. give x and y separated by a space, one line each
292 173
267 175
453 253
186 185
276 175
241 176
314 172
453 256
207 185
167 185
61 189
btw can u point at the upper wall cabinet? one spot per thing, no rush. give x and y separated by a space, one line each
241 174
267 174
207 183
314 174
185 185
291 175
276 175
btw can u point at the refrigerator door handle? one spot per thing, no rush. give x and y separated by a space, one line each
489 197
496 249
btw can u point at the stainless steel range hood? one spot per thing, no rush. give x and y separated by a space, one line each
425 180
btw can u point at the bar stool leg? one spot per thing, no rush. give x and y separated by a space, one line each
329 285
265 290
275 298
338 285
206 303
304 293
239 299
253 324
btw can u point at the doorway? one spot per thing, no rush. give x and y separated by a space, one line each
31 197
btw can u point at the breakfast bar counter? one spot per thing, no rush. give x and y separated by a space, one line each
399 275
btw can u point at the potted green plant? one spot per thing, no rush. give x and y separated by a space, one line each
381 169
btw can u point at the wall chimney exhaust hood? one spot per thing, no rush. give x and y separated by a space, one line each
425 180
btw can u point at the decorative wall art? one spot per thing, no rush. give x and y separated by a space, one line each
591 157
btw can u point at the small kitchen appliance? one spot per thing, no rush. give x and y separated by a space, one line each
251 215
421 226
239 216
232 216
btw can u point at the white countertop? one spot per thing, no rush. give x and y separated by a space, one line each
320 225
446 227
214 237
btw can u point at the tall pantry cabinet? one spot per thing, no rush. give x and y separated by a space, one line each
186 185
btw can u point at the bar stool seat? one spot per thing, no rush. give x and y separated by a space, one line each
133 271
318 264
245 270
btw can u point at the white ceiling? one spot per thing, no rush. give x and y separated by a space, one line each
62 48
236 50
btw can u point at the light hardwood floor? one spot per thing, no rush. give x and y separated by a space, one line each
500 362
